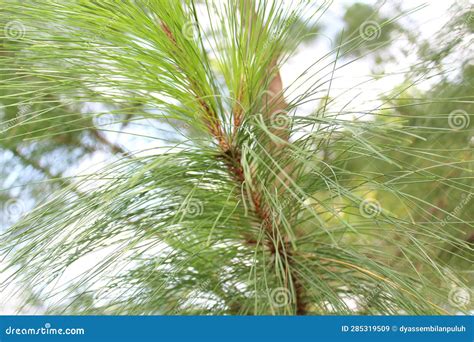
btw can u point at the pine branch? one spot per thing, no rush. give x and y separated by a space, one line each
275 104
267 204
211 120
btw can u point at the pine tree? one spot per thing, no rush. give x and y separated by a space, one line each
253 207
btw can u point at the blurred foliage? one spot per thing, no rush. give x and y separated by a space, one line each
365 31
